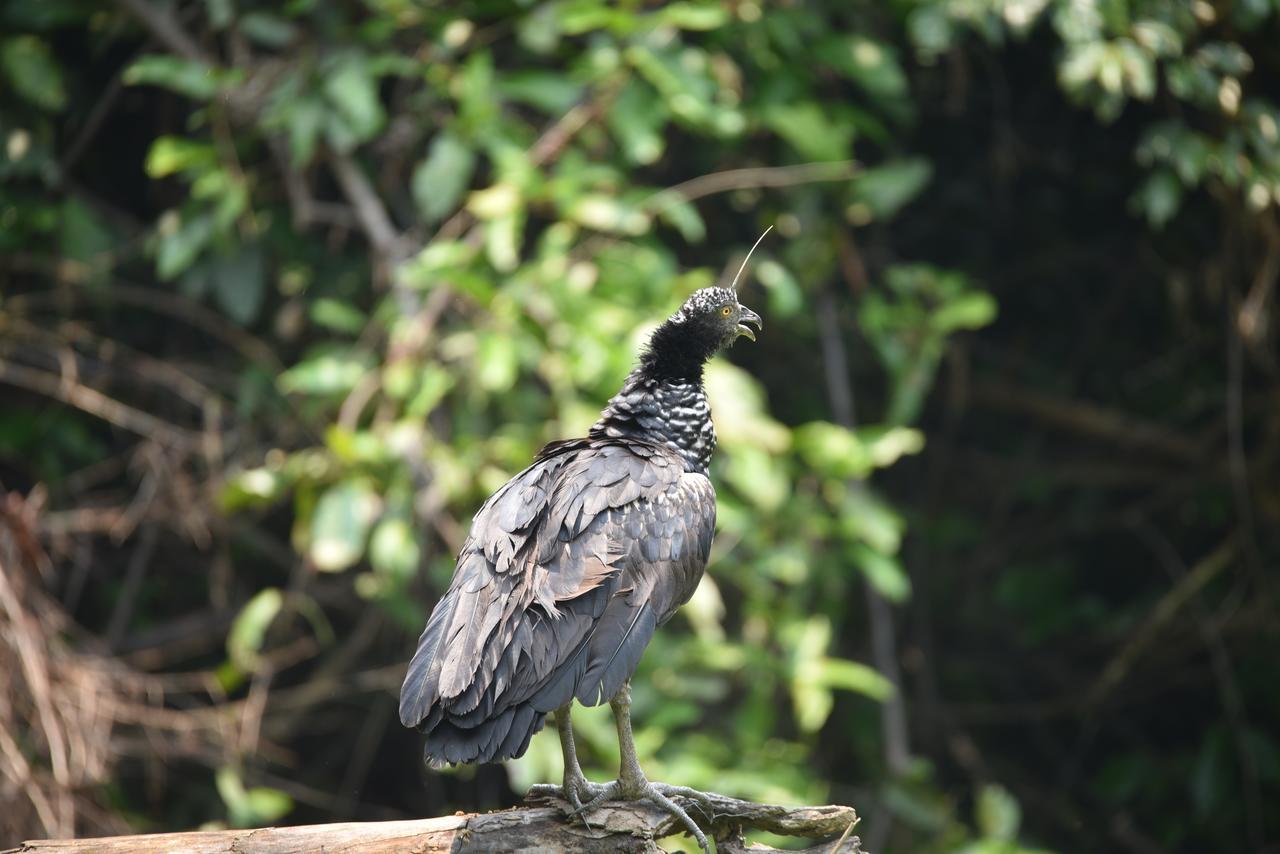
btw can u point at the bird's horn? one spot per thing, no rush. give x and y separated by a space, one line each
734 286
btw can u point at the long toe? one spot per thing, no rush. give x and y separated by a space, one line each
656 795
599 795
683 792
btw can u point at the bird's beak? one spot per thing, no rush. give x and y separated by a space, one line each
746 316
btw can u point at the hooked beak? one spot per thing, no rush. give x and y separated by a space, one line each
745 317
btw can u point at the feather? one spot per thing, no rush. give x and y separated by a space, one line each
533 616
615 650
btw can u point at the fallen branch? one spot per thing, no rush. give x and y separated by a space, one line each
613 827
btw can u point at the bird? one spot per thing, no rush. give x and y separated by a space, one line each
570 567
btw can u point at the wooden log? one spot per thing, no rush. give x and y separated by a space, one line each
624 827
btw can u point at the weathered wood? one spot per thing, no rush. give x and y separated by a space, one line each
621 827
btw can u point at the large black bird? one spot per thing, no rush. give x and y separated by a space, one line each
571 565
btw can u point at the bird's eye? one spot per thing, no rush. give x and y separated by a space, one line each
726 311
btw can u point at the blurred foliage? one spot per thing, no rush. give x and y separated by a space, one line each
290 289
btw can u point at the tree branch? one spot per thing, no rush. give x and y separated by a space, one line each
166 30
614 827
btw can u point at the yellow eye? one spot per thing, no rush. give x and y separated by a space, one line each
726 311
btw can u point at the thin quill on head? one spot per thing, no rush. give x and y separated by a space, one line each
734 286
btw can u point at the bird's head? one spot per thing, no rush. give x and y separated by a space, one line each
710 320
714 315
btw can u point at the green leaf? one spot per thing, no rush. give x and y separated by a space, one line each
268 30
759 477
605 213
328 371
813 130
552 92
352 91
636 120
496 362
34 74
688 89
833 450
883 572
253 807
239 284
441 261
693 16
812 702
686 219
249 630
972 310
998 813
503 237
393 548
171 154
83 236
742 417
184 76
886 445
253 488
1159 197
887 189
854 676
305 121
478 106
340 524
870 64
440 179
179 249
267 805
338 316
864 517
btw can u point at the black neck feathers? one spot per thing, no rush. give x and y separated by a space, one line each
677 351
663 400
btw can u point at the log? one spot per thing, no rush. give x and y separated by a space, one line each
625 827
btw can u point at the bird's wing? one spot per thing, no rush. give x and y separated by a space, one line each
664 541
535 596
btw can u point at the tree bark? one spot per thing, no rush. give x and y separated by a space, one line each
621 827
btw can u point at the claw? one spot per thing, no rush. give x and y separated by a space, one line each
570 792
656 793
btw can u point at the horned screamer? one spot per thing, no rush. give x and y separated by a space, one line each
571 566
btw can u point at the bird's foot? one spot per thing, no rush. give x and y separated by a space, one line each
657 793
577 790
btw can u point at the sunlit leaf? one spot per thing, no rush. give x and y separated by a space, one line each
856 677
998 813
327 371
184 76
393 548
884 572
496 362
337 315
340 524
249 631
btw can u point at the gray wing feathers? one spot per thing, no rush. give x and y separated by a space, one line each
566 573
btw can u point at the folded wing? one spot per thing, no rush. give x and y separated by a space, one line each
566 573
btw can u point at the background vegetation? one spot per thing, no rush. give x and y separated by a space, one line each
289 288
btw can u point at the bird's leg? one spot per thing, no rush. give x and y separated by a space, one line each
632 785
577 788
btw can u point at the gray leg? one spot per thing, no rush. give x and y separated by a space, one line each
632 785
577 788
